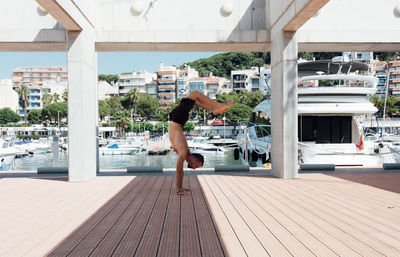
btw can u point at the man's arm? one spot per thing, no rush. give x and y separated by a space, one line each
179 173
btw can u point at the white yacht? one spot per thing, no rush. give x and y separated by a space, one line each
200 145
329 131
7 153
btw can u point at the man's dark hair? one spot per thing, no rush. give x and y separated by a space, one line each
199 157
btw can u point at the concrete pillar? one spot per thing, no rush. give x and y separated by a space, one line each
82 105
284 103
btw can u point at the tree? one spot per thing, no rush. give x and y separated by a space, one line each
146 105
122 121
161 127
23 100
392 105
130 99
239 112
7 115
111 79
115 105
104 109
35 116
56 97
52 110
189 126
222 64
65 95
46 99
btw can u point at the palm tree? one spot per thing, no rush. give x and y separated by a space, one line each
23 99
131 98
56 97
65 95
46 99
122 121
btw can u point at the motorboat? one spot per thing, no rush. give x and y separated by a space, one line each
115 149
7 153
330 107
200 145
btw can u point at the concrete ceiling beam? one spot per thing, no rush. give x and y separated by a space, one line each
304 10
66 13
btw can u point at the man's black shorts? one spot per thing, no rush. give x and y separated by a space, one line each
180 114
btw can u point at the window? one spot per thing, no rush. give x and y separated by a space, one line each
324 129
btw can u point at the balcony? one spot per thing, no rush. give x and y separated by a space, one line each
166 94
166 87
166 80
167 102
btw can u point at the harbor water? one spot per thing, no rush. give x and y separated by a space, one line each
108 162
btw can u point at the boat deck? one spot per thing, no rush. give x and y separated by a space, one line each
346 214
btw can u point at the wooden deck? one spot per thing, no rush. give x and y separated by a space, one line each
225 215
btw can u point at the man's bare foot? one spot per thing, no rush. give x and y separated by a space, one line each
224 107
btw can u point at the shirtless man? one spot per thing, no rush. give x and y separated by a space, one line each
179 117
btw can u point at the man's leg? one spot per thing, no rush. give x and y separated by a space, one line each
207 103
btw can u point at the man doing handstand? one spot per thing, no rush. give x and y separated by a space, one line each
179 117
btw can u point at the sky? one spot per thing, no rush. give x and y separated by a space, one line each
107 63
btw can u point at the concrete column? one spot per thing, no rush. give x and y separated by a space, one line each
284 103
82 105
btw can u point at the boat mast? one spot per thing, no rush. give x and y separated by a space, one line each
386 95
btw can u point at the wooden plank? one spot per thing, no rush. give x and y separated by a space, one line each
151 238
251 245
229 240
372 198
256 199
330 224
189 237
169 243
114 225
209 241
49 218
78 212
246 207
70 243
135 230
364 221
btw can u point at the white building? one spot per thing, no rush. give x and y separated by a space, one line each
182 83
38 78
8 96
245 80
106 90
209 86
138 80
265 80
166 85
363 57
52 89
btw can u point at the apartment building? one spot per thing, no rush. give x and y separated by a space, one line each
8 96
166 85
151 88
38 80
363 57
226 87
380 71
182 82
209 86
394 77
134 80
106 91
245 80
